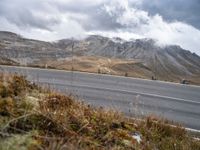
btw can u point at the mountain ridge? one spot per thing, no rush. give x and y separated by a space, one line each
165 62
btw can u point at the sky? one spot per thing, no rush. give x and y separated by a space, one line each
165 21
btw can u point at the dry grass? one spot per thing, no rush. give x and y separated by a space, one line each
102 65
59 122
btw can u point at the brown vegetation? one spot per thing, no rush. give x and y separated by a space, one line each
47 120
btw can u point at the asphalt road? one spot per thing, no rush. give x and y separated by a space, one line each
134 97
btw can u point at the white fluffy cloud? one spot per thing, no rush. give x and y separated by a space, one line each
139 24
57 19
66 29
173 33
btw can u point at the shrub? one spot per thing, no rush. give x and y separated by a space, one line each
6 106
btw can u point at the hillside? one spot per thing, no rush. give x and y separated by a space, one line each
35 118
170 63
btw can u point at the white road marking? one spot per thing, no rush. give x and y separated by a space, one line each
126 91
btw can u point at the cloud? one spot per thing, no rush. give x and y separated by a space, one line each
38 19
26 14
181 10
68 28
137 23
57 19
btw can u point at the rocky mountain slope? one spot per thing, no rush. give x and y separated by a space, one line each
26 51
165 63
172 61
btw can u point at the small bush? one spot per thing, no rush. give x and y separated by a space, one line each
18 85
6 106
13 85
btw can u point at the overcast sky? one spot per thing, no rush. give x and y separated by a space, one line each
166 21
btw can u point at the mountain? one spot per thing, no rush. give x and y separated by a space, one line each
169 60
166 63
23 50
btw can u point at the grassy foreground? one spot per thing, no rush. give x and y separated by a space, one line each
31 118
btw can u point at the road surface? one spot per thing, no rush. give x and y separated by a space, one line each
134 97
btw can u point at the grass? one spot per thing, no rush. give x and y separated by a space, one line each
31 118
